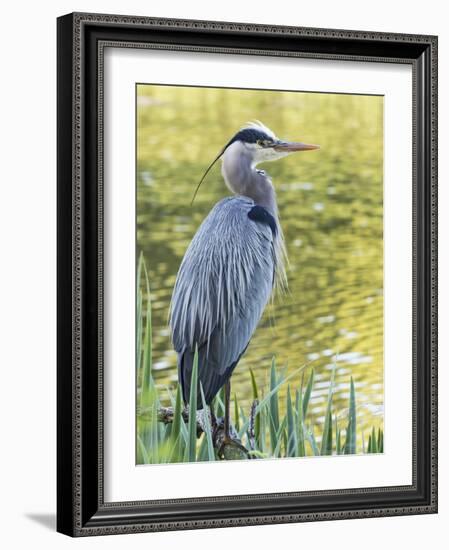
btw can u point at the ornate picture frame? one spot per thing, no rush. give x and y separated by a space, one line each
81 507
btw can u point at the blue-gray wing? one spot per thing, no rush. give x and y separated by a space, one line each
223 285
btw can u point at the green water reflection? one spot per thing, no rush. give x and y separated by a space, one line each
330 205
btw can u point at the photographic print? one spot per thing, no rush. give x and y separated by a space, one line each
259 292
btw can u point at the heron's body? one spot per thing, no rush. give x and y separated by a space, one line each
228 272
223 285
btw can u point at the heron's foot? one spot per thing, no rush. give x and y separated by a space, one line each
229 445
218 429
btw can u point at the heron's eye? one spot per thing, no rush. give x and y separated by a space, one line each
263 142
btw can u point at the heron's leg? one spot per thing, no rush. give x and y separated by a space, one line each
227 439
213 421
213 418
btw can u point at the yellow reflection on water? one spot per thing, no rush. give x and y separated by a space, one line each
330 205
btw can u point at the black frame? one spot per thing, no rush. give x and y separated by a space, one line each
81 509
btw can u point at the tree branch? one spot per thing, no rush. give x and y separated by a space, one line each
227 449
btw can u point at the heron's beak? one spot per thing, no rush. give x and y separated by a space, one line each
292 146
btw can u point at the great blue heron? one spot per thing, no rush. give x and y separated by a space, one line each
229 269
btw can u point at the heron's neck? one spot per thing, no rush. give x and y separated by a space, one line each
242 178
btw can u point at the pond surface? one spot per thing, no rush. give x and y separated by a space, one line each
330 204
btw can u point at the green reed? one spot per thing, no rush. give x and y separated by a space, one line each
268 434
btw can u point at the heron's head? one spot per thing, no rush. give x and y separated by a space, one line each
251 145
260 144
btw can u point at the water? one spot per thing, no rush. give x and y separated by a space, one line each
330 203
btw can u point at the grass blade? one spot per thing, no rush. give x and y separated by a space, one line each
176 436
139 313
338 448
244 423
308 393
274 405
142 455
154 438
146 396
380 444
351 443
373 441
219 403
208 428
191 444
139 321
312 441
326 440
279 438
253 384
202 451
300 424
236 414
292 442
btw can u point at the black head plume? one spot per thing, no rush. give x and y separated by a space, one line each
206 172
250 134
